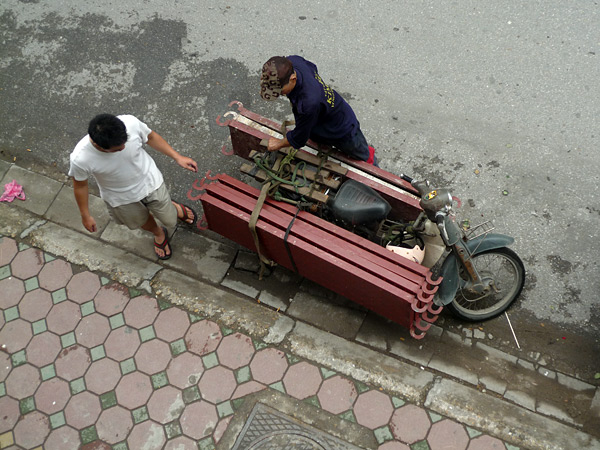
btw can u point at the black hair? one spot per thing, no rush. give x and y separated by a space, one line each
107 131
284 67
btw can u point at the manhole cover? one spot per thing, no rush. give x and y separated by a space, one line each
269 429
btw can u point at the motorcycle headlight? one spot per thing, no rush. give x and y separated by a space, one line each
435 201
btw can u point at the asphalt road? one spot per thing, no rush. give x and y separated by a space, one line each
497 100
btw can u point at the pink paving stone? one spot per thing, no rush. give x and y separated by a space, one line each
63 317
221 428
486 443
393 445
11 291
247 388
217 384
373 409
134 390
203 337
302 380
141 311
5 365
35 305
31 430
15 335
92 330
337 394
22 381
10 413
447 434
52 396
166 404
122 343
114 424
27 263
72 362
43 349
171 324
410 424
199 419
111 299
153 357
102 376
83 287
83 410
235 351
8 250
63 438
55 275
181 443
146 435
185 370
268 365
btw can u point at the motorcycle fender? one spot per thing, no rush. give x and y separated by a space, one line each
449 270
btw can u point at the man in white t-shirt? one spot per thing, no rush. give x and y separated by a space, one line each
130 183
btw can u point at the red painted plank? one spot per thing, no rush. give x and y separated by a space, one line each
313 263
388 259
328 242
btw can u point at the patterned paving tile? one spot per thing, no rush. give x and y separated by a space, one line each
203 337
83 287
302 380
55 275
217 384
337 394
373 409
35 305
410 424
268 365
448 433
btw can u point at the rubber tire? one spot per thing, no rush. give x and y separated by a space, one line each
464 314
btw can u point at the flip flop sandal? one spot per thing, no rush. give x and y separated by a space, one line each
188 213
163 246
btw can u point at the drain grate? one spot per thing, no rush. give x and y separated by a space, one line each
269 429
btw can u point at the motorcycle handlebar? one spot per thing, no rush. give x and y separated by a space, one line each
406 178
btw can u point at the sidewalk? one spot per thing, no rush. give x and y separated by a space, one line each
103 347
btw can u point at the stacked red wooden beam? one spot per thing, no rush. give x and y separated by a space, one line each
345 263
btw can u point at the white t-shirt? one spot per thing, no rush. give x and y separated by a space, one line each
123 177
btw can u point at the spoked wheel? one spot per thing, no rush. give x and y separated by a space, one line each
503 274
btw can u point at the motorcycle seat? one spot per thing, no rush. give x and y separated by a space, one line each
356 203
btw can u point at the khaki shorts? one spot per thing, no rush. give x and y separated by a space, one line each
134 215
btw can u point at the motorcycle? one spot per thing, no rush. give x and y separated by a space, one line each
482 277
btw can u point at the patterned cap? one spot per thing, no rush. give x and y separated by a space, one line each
270 87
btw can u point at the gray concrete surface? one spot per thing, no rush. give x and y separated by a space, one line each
481 97
522 400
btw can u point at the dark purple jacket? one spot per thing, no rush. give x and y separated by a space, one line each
321 114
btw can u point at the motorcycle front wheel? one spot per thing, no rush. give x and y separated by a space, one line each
504 270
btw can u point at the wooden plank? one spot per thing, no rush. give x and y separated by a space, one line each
316 161
374 260
313 263
323 176
261 175
392 261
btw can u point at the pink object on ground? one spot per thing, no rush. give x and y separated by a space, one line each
12 190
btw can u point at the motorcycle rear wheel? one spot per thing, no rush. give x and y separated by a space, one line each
506 270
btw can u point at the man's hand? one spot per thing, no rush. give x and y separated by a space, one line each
187 163
89 223
80 189
276 144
